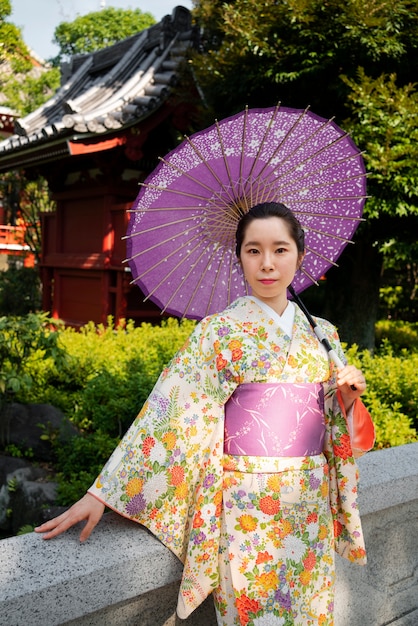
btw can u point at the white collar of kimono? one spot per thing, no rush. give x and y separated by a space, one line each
285 320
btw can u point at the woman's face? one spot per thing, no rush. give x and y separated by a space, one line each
269 259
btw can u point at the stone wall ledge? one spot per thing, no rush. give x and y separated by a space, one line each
123 576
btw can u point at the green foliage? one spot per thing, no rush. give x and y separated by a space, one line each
16 452
384 121
27 91
99 29
23 88
100 377
79 462
106 376
120 366
398 335
13 52
20 291
355 60
110 400
24 343
295 51
13 485
393 428
398 295
392 393
26 529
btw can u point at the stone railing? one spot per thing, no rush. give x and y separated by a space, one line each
123 576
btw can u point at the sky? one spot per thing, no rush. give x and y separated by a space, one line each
38 18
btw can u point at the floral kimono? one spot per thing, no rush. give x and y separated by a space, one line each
258 531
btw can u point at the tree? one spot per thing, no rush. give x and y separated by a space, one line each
13 50
352 59
24 201
24 88
384 120
24 83
98 30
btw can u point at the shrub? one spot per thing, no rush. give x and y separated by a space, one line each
391 395
25 343
121 366
101 376
399 335
79 462
20 291
112 371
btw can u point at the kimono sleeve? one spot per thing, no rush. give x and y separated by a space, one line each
343 469
169 461
166 473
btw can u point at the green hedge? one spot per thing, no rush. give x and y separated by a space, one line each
100 377
398 335
392 393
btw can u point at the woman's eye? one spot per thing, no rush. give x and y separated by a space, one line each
281 250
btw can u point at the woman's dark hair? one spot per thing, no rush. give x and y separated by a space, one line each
270 209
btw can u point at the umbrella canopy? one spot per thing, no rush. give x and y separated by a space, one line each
181 234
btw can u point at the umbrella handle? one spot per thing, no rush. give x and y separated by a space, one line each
318 332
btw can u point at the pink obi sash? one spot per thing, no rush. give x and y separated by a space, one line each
275 419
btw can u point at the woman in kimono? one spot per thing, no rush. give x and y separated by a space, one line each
242 459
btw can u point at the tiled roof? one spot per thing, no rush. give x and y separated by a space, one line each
104 91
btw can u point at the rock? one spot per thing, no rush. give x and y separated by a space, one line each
9 464
25 493
27 488
23 425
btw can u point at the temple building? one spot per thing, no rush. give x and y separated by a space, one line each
94 141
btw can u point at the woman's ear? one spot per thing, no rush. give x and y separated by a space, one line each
300 259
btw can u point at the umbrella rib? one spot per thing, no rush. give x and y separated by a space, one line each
230 278
183 173
329 215
268 194
324 234
218 233
318 152
179 192
159 226
215 282
187 276
328 198
140 276
308 275
228 171
263 141
310 137
211 170
162 260
161 243
319 169
321 256
187 194
297 181
303 143
331 166
241 165
166 208
281 143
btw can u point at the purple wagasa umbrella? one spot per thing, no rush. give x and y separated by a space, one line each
181 234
